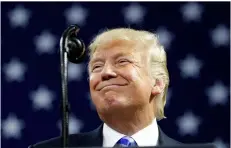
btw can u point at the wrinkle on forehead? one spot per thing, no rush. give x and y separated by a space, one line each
119 49
116 43
128 46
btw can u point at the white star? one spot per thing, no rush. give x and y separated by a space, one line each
220 36
218 94
219 143
191 11
45 43
42 98
75 125
12 126
165 37
190 67
188 124
14 70
134 13
19 16
75 71
77 14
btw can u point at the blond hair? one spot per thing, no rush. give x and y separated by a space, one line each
157 60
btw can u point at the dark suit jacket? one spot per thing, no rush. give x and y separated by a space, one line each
95 139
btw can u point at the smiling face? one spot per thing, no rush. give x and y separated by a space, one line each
119 77
128 73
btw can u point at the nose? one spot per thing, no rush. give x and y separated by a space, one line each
108 72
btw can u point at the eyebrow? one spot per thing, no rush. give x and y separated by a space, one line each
114 57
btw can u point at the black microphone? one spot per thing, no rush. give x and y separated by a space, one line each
73 49
74 46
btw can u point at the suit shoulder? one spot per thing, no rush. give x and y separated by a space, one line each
74 140
56 141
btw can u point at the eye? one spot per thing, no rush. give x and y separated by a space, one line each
97 66
123 60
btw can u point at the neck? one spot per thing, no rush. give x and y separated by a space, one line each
129 122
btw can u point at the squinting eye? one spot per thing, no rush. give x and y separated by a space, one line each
122 61
95 67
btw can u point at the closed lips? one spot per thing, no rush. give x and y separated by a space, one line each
99 88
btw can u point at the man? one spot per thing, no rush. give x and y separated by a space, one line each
128 84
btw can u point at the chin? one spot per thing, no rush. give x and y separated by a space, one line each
110 105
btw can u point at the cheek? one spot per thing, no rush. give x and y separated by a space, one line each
133 74
93 81
139 81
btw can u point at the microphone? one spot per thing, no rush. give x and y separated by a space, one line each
73 49
74 46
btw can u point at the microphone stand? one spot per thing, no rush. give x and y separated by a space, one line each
64 104
72 49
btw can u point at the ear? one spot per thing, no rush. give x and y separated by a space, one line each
158 87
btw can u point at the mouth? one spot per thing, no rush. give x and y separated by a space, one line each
112 86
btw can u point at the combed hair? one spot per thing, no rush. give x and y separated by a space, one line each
157 59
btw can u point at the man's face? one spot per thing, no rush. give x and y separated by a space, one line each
119 77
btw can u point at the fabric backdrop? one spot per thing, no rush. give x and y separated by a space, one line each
196 39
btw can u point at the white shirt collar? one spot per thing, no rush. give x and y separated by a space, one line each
145 137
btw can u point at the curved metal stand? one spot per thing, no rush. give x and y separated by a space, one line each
64 103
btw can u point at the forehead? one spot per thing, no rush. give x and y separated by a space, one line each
116 47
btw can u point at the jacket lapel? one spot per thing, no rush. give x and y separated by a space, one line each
93 138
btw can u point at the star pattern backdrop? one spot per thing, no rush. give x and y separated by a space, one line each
195 36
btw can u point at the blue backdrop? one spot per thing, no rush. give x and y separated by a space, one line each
196 38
